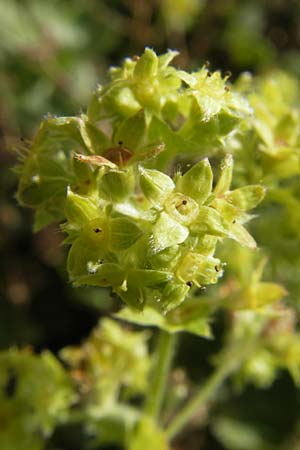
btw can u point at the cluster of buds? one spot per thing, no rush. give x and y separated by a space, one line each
110 358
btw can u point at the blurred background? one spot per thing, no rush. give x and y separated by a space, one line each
52 55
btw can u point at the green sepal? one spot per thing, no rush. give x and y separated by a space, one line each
147 65
166 259
196 182
264 293
117 185
131 132
94 110
106 274
155 185
224 181
241 235
123 233
165 59
159 131
247 197
79 209
122 102
209 221
173 295
83 172
148 278
228 211
167 232
133 296
98 141
83 257
42 218
199 269
182 319
206 244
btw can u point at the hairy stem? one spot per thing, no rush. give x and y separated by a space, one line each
164 355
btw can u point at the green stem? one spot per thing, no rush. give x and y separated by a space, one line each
237 356
164 355
197 402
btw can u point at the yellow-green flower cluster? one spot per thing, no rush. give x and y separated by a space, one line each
153 245
131 227
147 106
112 357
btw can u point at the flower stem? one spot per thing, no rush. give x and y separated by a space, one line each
208 390
164 355
192 406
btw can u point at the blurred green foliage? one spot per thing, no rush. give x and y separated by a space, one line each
52 54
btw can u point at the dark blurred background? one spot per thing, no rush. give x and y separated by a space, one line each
52 55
